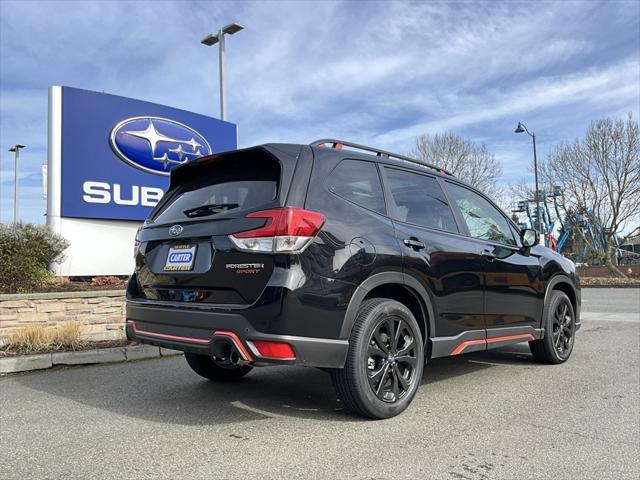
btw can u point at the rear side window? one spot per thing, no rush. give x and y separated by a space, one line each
420 200
221 186
358 182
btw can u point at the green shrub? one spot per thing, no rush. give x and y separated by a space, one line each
26 252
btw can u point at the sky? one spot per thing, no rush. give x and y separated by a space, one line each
378 73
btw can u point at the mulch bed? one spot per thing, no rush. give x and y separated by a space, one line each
609 282
77 287
11 352
600 271
65 285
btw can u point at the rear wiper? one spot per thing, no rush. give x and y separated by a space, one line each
212 209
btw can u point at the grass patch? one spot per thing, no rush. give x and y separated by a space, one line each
37 339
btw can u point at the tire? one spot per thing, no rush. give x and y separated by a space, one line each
371 351
559 331
207 367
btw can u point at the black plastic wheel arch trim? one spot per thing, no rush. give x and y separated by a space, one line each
558 279
388 278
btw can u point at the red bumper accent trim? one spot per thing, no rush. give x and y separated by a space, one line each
463 345
202 341
165 336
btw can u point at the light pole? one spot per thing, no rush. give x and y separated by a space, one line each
16 148
521 128
212 39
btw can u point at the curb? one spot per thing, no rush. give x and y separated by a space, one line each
27 363
611 286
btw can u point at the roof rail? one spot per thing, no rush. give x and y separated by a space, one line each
338 144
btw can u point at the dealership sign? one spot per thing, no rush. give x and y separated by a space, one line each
108 165
117 152
155 144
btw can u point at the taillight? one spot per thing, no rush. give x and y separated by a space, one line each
136 242
287 229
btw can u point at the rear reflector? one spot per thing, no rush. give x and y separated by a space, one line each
280 350
286 229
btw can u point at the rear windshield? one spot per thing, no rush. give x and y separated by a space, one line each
222 186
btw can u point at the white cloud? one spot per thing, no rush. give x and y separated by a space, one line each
617 84
373 72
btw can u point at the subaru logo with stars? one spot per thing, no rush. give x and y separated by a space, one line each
155 144
175 230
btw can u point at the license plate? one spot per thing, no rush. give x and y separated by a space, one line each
180 257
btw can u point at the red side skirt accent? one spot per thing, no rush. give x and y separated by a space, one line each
463 345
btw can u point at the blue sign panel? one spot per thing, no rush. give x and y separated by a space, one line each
117 152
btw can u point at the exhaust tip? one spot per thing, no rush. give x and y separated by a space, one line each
234 358
237 346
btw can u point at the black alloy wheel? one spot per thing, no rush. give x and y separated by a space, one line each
563 325
384 364
559 325
391 359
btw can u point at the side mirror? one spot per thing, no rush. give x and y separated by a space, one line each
529 238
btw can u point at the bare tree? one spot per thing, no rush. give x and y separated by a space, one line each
600 178
469 161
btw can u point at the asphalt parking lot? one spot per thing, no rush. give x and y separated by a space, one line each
478 416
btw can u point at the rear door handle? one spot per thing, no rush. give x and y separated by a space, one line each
414 243
489 255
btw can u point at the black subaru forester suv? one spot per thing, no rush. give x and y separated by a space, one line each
340 256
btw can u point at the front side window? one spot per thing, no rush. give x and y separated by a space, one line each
358 182
483 219
420 200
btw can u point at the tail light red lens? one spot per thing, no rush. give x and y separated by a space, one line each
284 222
136 242
287 229
279 350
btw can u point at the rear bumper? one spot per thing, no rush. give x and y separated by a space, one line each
195 330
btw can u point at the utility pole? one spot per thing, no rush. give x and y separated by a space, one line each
521 128
218 38
16 149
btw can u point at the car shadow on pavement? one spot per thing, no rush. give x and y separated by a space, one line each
516 355
167 391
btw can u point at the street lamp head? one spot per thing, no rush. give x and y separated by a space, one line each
232 28
214 38
210 39
519 128
16 147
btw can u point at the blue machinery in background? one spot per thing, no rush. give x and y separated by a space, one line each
590 229
584 223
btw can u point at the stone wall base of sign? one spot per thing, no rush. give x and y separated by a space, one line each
100 314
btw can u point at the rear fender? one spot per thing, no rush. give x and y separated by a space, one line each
386 278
